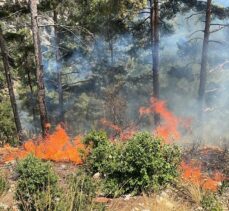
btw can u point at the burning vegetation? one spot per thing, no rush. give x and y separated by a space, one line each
128 161
193 173
57 147
134 73
169 128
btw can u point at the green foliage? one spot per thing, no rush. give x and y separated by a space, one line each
37 189
142 164
8 131
95 138
149 163
81 189
36 179
210 203
3 183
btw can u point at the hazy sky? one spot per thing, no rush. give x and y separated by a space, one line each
222 2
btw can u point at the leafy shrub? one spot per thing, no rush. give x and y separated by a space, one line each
143 163
3 183
36 181
95 138
103 158
81 189
210 203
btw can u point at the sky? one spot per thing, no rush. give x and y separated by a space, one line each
222 2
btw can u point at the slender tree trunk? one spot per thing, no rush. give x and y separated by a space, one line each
5 59
155 51
58 69
204 59
32 94
39 68
111 48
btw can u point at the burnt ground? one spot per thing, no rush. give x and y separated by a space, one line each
211 159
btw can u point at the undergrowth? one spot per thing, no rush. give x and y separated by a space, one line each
210 202
142 164
3 183
36 181
79 194
38 189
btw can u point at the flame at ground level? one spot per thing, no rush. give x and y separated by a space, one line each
55 147
193 173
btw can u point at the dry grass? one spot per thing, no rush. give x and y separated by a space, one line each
164 204
3 183
194 192
157 203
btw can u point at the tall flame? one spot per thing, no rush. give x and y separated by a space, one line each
55 147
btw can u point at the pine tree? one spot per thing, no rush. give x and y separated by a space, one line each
9 81
39 67
204 60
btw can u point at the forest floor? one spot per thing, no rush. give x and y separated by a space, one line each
180 197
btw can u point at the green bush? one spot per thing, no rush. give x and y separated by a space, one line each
95 138
210 203
142 164
3 183
81 189
37 184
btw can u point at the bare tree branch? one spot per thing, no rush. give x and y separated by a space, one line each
199 13
196 32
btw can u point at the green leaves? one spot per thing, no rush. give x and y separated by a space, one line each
143 164
95 138
35 178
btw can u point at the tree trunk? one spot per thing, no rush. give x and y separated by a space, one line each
39 68
5 59
155 51
32 94
204 59
58 69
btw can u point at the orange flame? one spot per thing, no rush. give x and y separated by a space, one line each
170 123
193 174
55 147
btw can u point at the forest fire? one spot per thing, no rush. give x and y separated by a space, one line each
168 129
192 172
55 147
58 146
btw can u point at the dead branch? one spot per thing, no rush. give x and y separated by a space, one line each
197 38
219 67
199 13
196 32
215 41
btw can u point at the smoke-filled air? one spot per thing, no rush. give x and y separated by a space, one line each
114 105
